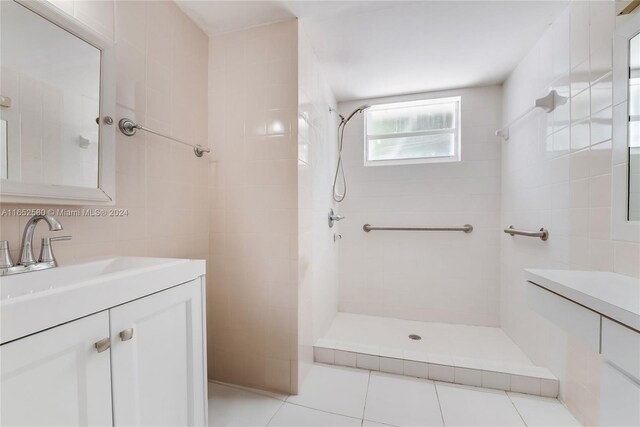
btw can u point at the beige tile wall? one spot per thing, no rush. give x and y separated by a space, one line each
161 81
253 105
556 173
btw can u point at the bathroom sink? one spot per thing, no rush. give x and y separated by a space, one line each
34 301
17 286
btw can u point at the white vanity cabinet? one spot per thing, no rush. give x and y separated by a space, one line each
603 311
57 377
619 398
620 376
158 362
153 373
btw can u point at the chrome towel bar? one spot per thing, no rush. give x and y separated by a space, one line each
129 128
543 234
467 228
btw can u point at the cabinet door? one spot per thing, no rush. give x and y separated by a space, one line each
159 376
57 377
619 398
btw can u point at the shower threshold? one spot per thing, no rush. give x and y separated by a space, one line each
471 355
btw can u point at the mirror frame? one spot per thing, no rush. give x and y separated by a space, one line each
622 229
104 194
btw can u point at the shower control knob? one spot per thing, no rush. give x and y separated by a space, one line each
337 237
333 217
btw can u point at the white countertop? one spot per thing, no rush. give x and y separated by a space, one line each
610 294
32 302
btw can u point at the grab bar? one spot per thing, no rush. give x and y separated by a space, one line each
467 228
543 234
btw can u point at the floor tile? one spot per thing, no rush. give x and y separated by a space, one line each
402 401
471 406
229 406
334 389
291 415
539 411
367 423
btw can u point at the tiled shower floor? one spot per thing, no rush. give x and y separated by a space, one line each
470 355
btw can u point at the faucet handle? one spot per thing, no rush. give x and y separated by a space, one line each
55 239
5 256
46 252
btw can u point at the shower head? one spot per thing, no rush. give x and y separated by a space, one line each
360 109
339 168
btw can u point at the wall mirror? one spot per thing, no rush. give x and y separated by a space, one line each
56 108
626 129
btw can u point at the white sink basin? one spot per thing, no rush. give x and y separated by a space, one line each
19 285
30 302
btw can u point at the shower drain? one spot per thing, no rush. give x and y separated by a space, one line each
415 337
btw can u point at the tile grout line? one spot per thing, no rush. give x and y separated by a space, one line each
321 410
435 386
275 413
263 393
366 395
282 402
516 408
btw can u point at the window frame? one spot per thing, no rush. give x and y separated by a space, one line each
456 157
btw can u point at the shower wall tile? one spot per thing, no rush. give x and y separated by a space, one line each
253 186
167 207
566 191
436 277
318 252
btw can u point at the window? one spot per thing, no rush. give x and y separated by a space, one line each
413 132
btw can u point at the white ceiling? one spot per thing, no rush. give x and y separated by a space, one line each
378 48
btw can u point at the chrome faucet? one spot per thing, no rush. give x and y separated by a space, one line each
26 250
27 260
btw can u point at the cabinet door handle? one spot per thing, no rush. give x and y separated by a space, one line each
103 344
126 335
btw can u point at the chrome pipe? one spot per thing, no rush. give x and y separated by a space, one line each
129 127
467 228
543 234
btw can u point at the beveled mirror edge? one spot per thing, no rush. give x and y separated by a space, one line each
621 229
105 194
